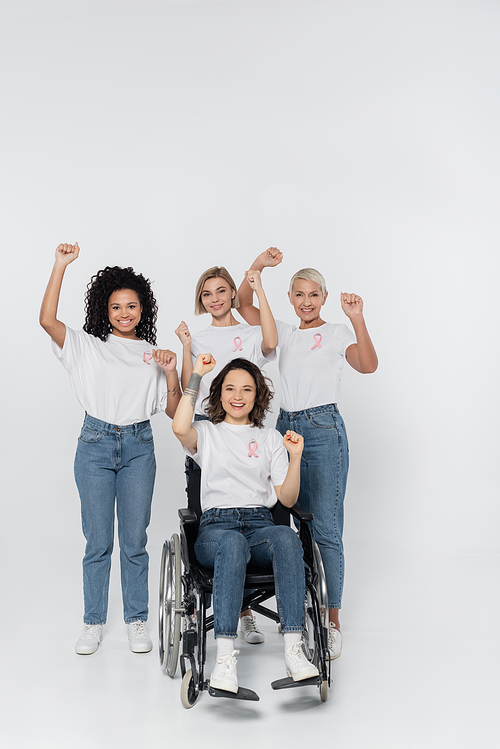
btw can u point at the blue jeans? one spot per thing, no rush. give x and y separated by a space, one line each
323 480
114 462
227 540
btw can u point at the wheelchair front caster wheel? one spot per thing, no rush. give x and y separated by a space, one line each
323 691
189 693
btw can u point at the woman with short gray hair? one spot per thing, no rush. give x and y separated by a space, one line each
312 357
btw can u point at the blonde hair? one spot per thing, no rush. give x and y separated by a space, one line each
215 272
309 274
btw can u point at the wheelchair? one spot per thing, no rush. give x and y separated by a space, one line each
185 598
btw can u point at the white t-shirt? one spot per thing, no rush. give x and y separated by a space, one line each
115 380
240 465
311 363
226 344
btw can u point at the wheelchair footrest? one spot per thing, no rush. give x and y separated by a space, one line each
289 683
241 694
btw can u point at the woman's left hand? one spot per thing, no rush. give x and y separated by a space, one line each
293 442
166 359
351 304
253 278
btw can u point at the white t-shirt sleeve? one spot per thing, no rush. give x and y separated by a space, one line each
257 356
197 453
279 459
73 348
344 337
284 332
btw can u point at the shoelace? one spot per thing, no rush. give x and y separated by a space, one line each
333 642
250 624
297 652
90 632
332 633
138 629
228 660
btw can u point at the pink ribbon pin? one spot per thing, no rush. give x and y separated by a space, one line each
237 344
317 341
147 357
252 446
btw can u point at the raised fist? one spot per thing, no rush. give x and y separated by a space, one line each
66 253
183 334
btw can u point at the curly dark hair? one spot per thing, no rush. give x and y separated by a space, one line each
263 395
100 288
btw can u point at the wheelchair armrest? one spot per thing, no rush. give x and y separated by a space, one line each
187 516
300 514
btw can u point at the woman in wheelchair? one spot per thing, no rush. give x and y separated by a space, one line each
245 470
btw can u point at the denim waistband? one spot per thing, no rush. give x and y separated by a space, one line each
91 421
241 512
327 408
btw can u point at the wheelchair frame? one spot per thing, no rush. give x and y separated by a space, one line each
185 591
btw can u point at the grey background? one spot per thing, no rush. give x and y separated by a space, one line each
360 138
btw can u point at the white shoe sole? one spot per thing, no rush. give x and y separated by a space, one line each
87 650
144 648
254 638
333 657
215 684
309 674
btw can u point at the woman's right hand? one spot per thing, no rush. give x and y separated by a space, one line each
204 364
66 253
183 334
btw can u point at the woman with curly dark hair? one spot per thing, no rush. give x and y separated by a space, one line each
120 380
244 471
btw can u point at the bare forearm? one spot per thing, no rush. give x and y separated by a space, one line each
48 311
247 309
367 360
183 418
174 393
187 366
268 324
291 485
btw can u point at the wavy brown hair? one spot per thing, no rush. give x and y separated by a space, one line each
100 288
263 394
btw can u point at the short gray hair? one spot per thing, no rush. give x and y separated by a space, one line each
309 274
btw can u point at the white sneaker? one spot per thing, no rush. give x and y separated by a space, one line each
89 639
334 642
224 674
297 665
138 637
250 631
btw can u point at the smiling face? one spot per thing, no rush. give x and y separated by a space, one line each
124 310
238 396
216 296
307 299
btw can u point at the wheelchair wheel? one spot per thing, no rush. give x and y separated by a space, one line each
322 596
169 611
189 692
321 588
